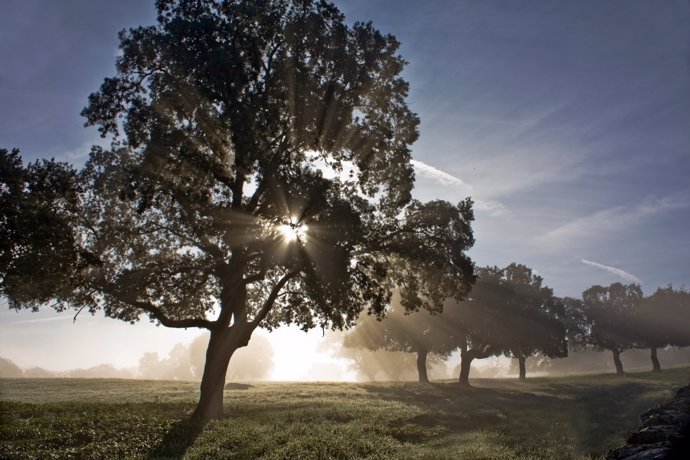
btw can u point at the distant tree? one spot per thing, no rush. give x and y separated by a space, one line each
41 373
102 371
176 366
390 366
373 365
378 365
474 321
420 333
608 316
662 320
9 370
264 179
150 366
533 320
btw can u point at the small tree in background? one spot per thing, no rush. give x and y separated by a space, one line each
533 319
608 318
418 332
473 321
662 320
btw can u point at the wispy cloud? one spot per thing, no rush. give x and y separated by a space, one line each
436 174
616 271
608 222
40 320
491 207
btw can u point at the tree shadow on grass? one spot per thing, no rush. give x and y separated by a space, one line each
178 440
592 418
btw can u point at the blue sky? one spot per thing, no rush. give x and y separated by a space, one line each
567 122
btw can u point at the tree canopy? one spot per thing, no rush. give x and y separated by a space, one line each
661 320
608 315
534 321
261 176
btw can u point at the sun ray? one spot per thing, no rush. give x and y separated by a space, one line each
293 231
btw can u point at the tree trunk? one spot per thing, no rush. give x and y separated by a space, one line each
466 358
523 370
221 346
617 362
656 366
421 366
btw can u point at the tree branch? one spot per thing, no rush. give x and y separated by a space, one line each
268 303
156 312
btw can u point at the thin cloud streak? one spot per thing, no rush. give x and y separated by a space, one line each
616 271
440 176
40 320
607 222
493 208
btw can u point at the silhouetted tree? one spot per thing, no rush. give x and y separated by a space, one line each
418 332
474 322
532 321
662 320
608 315
264 178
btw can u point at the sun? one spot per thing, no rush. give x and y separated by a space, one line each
293 231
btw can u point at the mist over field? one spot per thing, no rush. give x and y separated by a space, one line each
337 363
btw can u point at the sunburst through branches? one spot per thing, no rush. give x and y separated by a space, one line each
293 231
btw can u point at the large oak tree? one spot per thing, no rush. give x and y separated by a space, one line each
262 176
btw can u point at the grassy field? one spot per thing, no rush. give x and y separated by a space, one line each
547 418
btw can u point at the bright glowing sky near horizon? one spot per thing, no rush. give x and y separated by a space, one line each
567 122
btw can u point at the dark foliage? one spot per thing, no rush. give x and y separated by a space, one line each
608 318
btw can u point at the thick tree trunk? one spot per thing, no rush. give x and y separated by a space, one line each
656 365
523 369
617 362
466 358
421 366
221 346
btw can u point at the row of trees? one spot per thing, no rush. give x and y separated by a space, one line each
619 317
510 312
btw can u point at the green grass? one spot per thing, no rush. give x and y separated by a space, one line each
545 418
